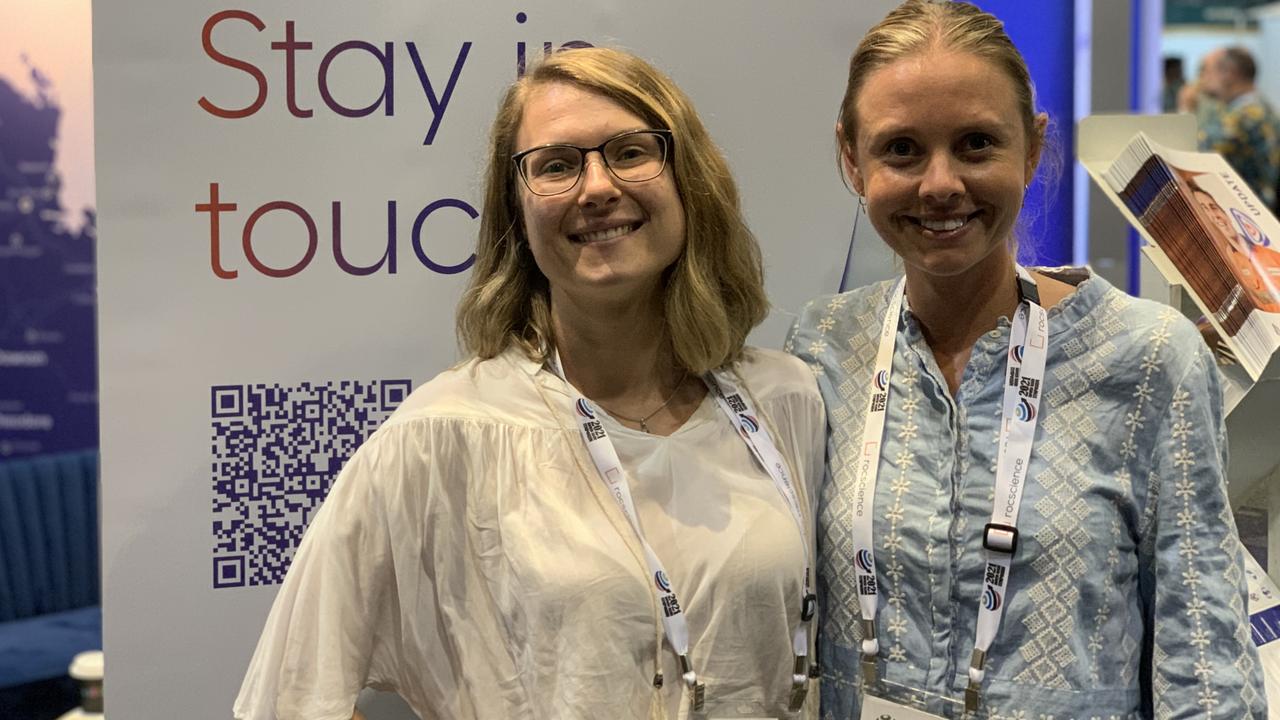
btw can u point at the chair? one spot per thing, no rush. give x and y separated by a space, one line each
50 595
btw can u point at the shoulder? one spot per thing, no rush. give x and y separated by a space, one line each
773 374
501 389
850 303
840 315
785 391
1135 336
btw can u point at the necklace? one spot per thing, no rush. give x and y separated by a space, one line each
642 422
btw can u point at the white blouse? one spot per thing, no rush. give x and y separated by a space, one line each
470 559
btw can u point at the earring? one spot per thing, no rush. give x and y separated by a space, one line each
862 203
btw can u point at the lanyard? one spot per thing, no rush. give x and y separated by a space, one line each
738 409
1028 349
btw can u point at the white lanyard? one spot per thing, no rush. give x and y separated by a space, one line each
742 416
1028 348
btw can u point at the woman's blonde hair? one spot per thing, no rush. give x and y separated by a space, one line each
714 290
916 26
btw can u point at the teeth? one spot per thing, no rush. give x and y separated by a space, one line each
943 225
609 234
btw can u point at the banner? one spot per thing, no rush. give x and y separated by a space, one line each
48 377
288 197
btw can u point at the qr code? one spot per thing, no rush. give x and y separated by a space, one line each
276 451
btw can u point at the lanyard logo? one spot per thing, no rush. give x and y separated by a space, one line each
584 409
660 579
865 561
882 380
749 424
1026 411
1016 353
991 598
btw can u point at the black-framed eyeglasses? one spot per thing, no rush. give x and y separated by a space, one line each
633 156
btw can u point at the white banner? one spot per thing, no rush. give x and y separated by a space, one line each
287 196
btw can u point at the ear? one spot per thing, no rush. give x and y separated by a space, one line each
1035 146
847 161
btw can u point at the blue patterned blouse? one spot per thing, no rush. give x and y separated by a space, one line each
1126 596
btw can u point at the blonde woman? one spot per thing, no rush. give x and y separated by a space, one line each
605 512
1027 514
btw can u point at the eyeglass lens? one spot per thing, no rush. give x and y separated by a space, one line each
633 157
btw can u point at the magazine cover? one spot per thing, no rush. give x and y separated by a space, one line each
1215 238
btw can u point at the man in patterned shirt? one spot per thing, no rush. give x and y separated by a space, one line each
1242 128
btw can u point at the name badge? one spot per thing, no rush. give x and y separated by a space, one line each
874 708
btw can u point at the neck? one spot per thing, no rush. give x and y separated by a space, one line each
954 311
617 350
1236 92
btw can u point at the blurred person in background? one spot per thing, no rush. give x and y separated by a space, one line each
1244 129
1174 80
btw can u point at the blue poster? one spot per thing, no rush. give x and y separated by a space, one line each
48 375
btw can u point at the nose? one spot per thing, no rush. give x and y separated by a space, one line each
941 182
599 186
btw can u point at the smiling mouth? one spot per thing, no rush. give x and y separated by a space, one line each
607 234
943 226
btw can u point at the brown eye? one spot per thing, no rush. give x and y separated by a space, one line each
900 148
978 142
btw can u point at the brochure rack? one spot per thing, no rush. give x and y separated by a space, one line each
1253 406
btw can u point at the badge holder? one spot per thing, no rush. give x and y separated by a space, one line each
888 699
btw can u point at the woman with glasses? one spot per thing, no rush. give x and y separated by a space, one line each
1027 513
605 512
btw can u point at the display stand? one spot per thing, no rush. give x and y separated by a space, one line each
1253 430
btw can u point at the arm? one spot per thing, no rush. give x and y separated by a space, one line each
1202 660
313 655
334 622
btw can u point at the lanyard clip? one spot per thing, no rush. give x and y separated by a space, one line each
699 696
698 690
869 674
1000 538
977 671
870 649
799 683
1027 290
972 698
808 607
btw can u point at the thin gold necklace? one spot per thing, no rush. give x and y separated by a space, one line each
642 422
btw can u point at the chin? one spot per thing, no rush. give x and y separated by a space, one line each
939 266
956 261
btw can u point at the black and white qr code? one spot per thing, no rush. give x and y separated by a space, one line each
276 451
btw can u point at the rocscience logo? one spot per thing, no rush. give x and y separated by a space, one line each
660 579
882 380
1026 411
991 599
865 561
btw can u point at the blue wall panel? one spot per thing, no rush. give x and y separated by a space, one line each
1045 34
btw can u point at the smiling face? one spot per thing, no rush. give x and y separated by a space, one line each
1218 216
604 240
942 157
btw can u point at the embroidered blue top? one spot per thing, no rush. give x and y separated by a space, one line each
1126 596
